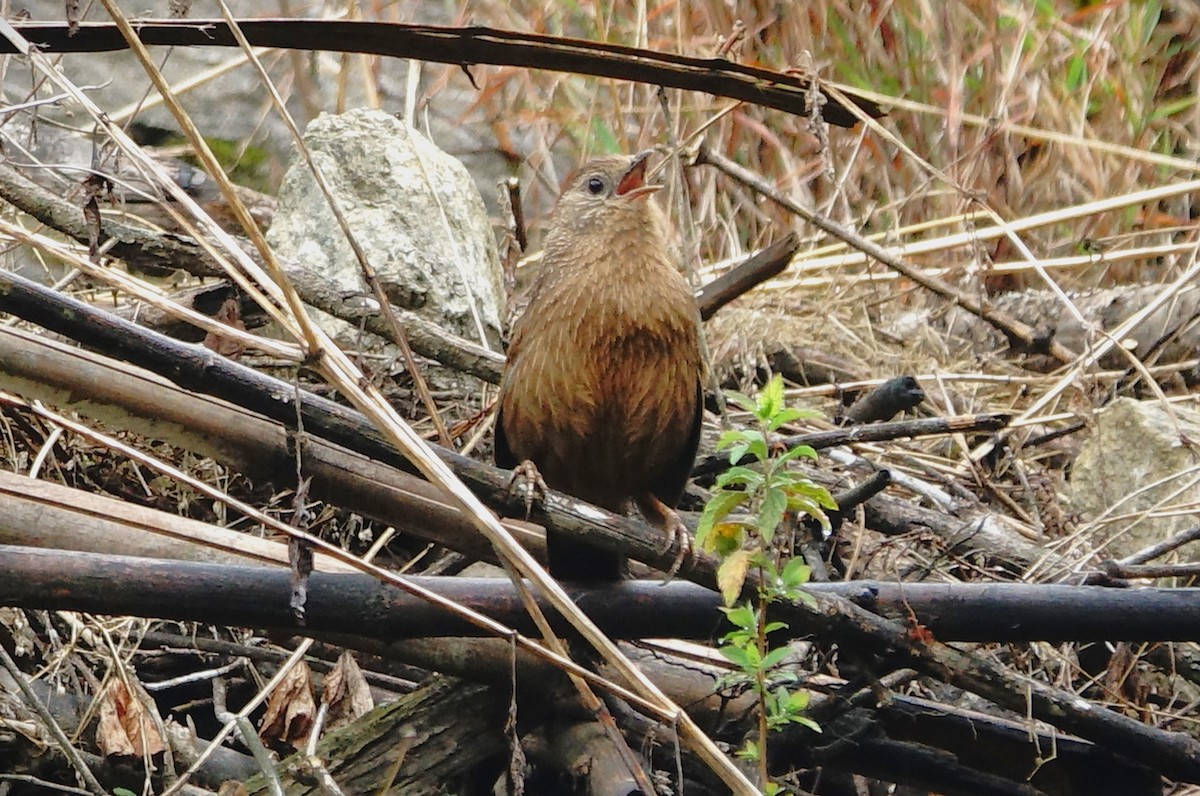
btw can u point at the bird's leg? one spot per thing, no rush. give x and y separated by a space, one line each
527 482
676 531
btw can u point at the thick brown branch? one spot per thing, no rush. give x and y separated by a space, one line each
119 395
753 271
465 47
232 594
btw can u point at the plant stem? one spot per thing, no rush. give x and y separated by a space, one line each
760 678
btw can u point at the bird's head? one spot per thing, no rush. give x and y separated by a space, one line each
607 191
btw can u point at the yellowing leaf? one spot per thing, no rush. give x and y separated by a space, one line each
726 538
731 575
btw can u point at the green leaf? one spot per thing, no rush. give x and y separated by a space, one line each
749 751
740 639
806 598
738 451
770 515
727 537
743 476
740 400
735 655
770 399
753 662
795 573
775 657
805 721
744 654
742 616
756 444
729 437
790 415
806 451
806 505
771 627
759 558
824 498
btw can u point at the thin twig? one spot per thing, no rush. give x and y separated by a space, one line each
1009 326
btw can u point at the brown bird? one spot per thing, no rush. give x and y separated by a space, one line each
602 390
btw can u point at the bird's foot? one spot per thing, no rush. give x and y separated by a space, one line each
677 533
528 484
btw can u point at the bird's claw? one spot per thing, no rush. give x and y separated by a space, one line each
676 531
677 534
527 483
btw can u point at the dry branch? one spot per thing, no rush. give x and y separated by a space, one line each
347 602
754 270
46 515
464 47
876 432
1013 329
122 396
945 749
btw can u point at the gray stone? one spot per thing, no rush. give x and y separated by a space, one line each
1132 445
414 210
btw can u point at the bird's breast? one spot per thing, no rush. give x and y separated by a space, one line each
602 388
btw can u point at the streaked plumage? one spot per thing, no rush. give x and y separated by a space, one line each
602 390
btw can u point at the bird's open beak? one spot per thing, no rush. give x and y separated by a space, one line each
633 181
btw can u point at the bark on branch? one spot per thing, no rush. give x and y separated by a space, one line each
234 594
465 47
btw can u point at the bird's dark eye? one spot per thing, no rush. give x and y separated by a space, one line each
595 186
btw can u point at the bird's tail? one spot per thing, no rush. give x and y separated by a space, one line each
572 560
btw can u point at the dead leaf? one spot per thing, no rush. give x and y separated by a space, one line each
230 314
346 692
125 729
71 9
94 187
291 709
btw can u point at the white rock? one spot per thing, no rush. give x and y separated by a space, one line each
413 209
1133 445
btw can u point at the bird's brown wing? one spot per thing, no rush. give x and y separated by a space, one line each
668 486
503 454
